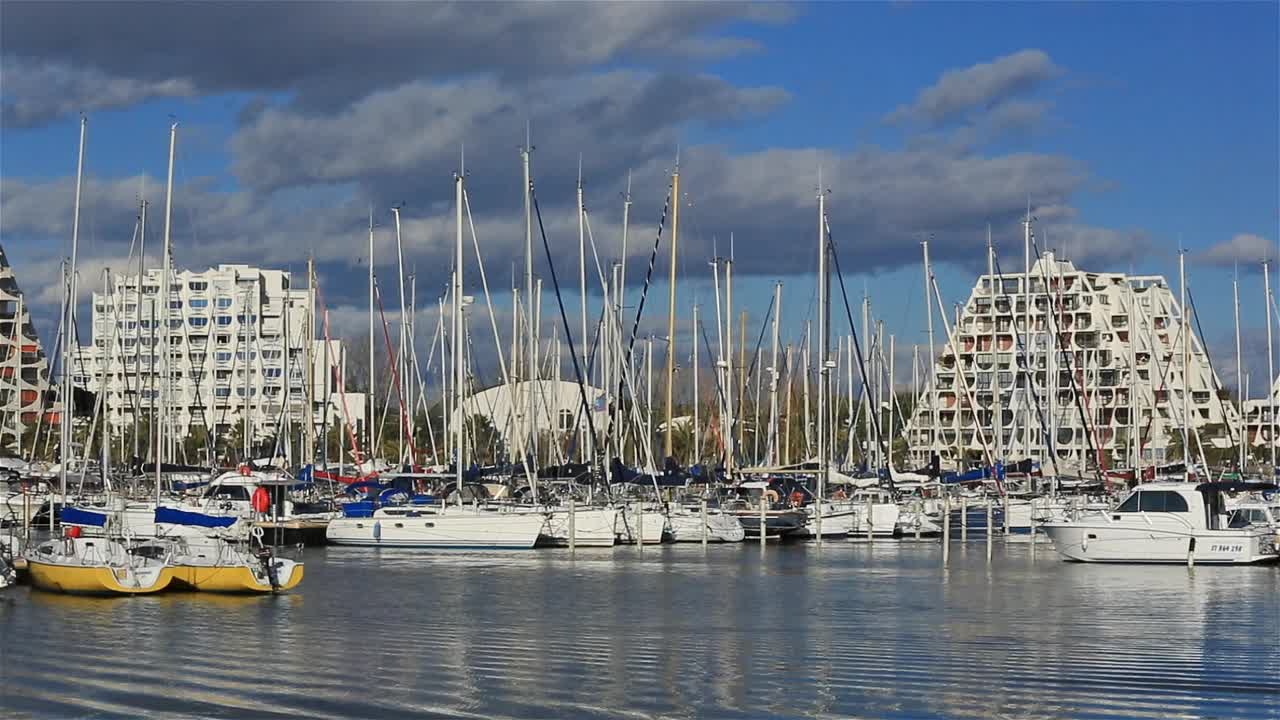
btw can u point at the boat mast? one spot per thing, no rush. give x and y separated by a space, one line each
1186 358
460 436
137 368
530 454
400 360
773 378
997 413
930 376
728 363
164 309
824 342
1134 405
1271 370
1026 329
1235 304
584 447
372 363
671 310
697 440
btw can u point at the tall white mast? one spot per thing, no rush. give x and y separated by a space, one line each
1026 424
68 324
401 359
823 354
697 434
165 360
373 392
728 363
1186 359
671 310
1271 369
930 376
1235 304
459 410
531 432
997 413
584 448
773 378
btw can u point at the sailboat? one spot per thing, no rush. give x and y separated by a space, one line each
210 553
443 526
77 564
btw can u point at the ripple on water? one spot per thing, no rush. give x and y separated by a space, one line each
848 630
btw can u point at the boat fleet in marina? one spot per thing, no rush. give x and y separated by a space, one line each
90 525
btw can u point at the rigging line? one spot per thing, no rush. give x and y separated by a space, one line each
635 324
395 376
564 317
711 405
1026 353
857 345
1213 376
1070 357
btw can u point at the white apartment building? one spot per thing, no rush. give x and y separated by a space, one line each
1124 379
24 369
238 340
1260 427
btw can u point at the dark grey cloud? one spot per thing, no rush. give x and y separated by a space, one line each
987 87
327 53
386 141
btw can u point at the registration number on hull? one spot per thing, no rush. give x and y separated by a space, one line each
1226 548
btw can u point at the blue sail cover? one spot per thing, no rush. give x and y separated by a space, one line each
195 519
76 516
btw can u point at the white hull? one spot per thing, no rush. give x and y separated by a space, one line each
884 520
592 527
631 525
839 519
686 526
1138 542
464 528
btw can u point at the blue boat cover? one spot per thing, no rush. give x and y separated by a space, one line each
76 516
195 519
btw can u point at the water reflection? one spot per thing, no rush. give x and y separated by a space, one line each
850 629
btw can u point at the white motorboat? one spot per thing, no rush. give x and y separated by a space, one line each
436 527
1175 522
686 524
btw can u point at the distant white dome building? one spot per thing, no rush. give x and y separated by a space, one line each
544 405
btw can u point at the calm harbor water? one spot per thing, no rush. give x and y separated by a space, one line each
861 630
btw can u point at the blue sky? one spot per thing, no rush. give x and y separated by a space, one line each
1149 124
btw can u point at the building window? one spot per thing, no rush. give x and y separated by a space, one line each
222 356
175 304
199 303
222 303
223 320
272 372
222 392
198 285
224 339
198 322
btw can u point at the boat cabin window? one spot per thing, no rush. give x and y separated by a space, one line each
228 492
1130 504
1162 501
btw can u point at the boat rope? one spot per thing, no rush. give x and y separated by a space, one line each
564 317
857 345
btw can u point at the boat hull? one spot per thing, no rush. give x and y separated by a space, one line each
592 527
479 531
97 580
235 578
1134 543
687 526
